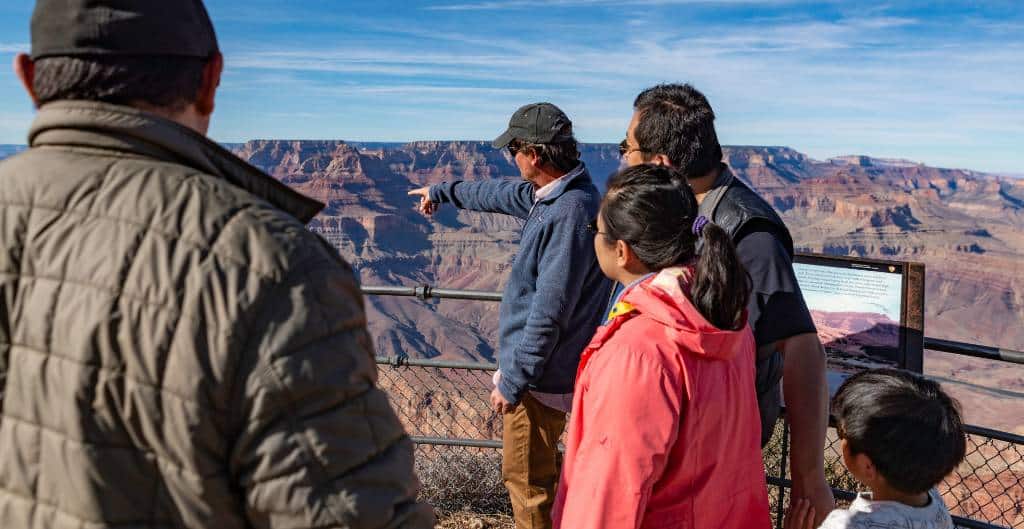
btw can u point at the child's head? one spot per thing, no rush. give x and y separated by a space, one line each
907 427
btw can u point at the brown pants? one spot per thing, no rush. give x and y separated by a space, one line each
531 461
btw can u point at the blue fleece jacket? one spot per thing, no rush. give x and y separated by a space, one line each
555 292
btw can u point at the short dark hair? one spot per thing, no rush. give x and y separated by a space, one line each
653 209
562 154
676 120
165 82
905 423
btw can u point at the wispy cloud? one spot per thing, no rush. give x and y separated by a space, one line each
868 80
933 82
14 48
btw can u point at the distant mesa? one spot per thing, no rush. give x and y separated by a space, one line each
868 161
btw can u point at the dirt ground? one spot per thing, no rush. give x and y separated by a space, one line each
468 520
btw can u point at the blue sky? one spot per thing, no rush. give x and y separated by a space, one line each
937 82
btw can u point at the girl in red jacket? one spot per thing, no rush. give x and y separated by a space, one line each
664 431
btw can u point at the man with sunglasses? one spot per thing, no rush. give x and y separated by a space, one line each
673 125
552 300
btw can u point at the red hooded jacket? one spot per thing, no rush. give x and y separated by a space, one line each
664 431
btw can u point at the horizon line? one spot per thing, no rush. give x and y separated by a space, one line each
1011 174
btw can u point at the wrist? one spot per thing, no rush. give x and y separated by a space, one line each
508 391
808 480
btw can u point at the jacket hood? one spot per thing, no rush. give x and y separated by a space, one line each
662 298
126 129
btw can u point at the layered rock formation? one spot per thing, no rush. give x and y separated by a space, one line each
371 220
965 226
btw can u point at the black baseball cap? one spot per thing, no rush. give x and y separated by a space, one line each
535 123
122 27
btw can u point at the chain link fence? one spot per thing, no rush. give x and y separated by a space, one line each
445 407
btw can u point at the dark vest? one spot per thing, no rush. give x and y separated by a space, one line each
741 206
738 208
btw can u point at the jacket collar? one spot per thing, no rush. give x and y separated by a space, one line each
664 299
714 196
661 298
125 129
579 173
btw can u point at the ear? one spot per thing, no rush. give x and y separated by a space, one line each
844 448
623 253
208 89
860 465
628 259
867 466
534 158
25 69
661 159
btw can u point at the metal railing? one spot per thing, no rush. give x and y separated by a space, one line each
974 350
424 292
445 406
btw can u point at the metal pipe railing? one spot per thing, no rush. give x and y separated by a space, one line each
444 364
977 351
428 292
998 435
425 292
446 441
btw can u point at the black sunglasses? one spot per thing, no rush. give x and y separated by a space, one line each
514 148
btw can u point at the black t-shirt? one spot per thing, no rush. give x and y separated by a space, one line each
777 309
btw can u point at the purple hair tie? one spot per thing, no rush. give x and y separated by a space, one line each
698 225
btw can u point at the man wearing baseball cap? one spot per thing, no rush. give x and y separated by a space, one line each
552 300
176 349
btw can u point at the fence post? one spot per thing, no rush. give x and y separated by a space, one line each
780 505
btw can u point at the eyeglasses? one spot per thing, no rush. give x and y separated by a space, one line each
625 149
514 148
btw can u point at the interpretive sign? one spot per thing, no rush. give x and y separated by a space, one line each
869 313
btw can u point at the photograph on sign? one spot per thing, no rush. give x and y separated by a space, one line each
857 308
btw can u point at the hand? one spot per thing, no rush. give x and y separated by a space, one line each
820 498
800 515
425 206
499 404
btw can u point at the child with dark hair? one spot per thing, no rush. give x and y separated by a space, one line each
664 430
901 435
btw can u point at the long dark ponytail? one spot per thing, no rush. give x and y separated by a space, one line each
653 209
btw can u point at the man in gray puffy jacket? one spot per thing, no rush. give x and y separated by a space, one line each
176 349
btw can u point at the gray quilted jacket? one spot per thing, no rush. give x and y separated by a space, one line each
176 349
